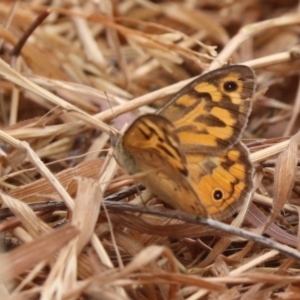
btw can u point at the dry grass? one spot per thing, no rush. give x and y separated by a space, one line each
98 63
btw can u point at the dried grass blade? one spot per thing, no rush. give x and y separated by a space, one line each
29 254
86 211
33 192
11 75
285 174
197 19
249 31
258 219
29 220
24 146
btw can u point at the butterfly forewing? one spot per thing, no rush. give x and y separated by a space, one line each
151 151
212 111
153 134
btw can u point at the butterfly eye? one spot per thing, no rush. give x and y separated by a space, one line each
230 86
218 195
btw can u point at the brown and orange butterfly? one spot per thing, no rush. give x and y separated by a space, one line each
189 153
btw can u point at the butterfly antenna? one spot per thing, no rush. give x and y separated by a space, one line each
113 135
111 108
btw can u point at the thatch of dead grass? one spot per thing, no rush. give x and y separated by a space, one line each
73 225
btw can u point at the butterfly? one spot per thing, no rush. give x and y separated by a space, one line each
189 153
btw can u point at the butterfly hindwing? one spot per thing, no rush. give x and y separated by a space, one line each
222 182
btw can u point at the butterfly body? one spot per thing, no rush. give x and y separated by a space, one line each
189 153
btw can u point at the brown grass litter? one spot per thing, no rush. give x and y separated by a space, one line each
73 225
